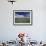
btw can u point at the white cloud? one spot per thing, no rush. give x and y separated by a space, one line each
19 16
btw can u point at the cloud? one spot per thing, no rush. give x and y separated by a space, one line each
19 16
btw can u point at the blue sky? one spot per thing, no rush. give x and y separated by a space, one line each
23 13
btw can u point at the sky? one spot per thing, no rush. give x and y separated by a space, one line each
23 13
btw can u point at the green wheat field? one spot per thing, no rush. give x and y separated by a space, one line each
22 20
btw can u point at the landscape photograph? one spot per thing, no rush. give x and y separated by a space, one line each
22 17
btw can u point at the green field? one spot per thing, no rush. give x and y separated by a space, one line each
22 20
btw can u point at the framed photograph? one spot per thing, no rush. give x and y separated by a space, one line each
22 17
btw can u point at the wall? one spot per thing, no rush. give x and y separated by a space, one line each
37 31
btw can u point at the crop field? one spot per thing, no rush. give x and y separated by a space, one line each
22 20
